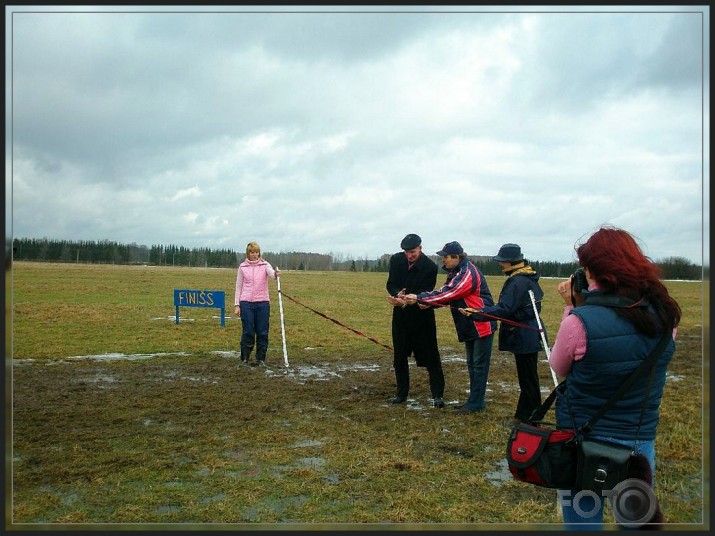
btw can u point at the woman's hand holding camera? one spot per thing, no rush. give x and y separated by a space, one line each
570 290
565 291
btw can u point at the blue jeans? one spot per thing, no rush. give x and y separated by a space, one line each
586 503
479 356
254 317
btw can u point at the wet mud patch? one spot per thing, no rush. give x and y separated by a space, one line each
180 438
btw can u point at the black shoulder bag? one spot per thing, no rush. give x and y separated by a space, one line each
601 464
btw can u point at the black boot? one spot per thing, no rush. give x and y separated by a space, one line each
261 357
246 354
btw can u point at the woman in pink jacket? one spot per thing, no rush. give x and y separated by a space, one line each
252 303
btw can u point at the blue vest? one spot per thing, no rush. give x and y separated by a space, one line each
614 350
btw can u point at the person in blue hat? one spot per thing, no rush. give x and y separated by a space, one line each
466 286
414 330
515 305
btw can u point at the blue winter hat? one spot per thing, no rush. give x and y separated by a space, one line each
451 248
509 253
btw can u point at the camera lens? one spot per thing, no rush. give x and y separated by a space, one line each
633 503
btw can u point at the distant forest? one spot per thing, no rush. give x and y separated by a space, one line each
108 252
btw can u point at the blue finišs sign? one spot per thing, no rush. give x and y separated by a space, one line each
201 298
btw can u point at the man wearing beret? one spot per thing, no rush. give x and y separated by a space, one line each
414 330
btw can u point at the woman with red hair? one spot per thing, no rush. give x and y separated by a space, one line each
616 312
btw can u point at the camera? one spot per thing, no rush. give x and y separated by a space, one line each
579 282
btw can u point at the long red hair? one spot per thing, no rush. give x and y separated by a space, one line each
617 263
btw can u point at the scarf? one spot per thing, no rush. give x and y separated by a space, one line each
524 270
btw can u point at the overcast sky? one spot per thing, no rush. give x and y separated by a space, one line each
341 130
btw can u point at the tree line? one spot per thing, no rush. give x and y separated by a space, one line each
109 252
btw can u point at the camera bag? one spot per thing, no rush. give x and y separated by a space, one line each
564 459
603 464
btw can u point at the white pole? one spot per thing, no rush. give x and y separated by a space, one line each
283 328
543 336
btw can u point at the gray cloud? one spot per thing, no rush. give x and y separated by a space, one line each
341 132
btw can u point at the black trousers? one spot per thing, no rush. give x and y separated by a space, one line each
402 376
530 391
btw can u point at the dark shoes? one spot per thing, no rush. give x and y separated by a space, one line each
438 402
246 363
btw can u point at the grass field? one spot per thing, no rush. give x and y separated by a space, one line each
120 416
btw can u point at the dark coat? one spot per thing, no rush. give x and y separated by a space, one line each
413 329
515 304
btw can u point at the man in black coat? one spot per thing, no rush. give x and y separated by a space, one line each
414 330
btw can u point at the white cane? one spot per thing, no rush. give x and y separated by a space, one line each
283 328
543 336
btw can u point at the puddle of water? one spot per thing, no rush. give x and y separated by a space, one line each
250 514
227 353
70 498
508 386
454 358
280 505
299 373
307 443
100 380
332 479
174 375
196 379
233 454
217 497
312 462
125 357
315 372
173 319
500 475
358 366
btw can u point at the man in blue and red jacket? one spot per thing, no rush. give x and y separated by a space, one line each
466 286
